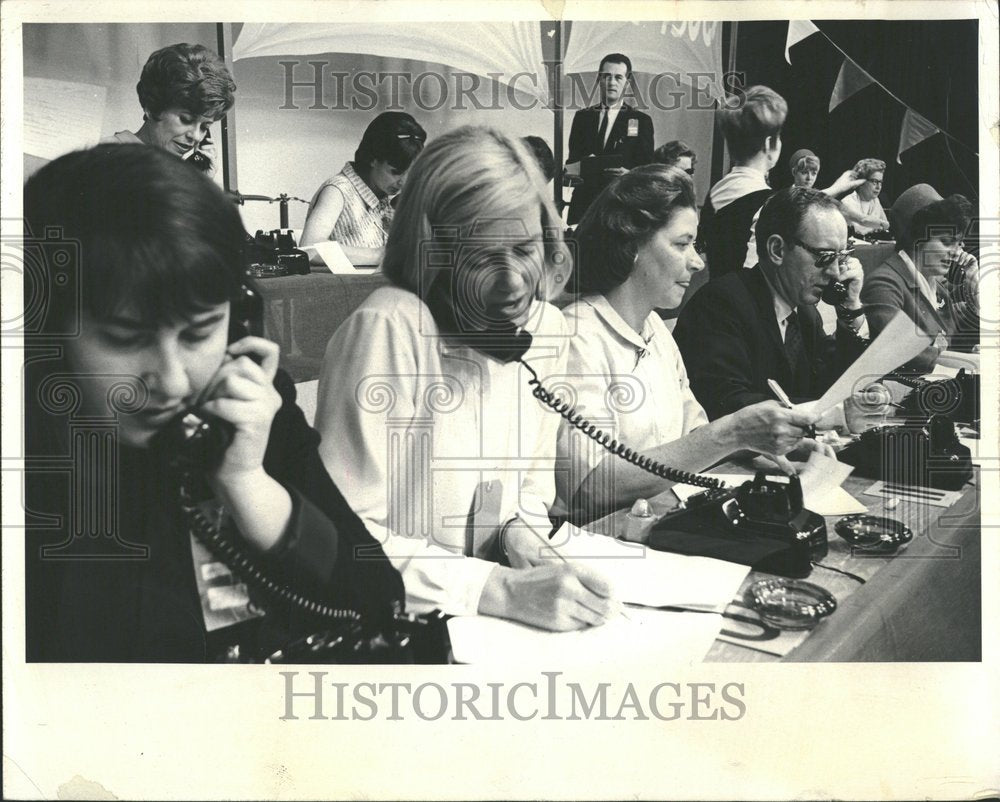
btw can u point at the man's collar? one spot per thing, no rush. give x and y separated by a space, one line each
782 308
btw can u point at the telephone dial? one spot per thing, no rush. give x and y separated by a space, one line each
956 398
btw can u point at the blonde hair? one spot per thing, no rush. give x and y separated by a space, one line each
461 180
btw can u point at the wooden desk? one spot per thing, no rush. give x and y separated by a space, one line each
922 604
301 313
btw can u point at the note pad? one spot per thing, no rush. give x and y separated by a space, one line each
335 259
652 637
640 575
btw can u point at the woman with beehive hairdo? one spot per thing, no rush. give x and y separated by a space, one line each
426 415
183 90
753 136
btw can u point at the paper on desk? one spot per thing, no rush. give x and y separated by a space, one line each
822 493
62 116
640 575
898 343
335 259
817 495
958 359
646 636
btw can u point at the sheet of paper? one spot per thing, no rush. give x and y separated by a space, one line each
816 494
62 116
652 637
335 259
941 373
822 493
640 575
898 343
958 359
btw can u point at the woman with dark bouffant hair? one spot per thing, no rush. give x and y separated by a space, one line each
355 207
931 277
635 254
183 90
145 278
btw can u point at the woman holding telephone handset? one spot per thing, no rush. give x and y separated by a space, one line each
183 90
427 416
158 274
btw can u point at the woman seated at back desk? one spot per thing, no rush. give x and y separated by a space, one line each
355 207
636 253
930 278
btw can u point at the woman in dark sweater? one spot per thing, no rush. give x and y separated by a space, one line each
141 261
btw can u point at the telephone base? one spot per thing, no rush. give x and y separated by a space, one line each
761 524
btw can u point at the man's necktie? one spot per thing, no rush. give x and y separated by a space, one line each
796 353
603 130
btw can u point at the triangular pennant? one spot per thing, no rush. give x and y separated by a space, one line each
798 29
850 80
915 130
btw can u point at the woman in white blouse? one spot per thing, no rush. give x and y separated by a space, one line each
437 444
862 208
636 253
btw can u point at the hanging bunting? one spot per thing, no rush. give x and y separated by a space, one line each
798 29
850 80
915 130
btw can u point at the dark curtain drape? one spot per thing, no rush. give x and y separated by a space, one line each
930 65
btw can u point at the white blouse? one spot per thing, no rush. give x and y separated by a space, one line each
630 384
872 208
435 445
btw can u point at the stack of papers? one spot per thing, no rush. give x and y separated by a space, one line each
637 576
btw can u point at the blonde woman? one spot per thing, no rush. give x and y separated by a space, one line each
426 415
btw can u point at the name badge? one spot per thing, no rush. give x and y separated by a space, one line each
633 127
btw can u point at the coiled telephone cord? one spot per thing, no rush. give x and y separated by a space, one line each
570 414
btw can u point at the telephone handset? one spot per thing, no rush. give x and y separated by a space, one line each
834 293
191 445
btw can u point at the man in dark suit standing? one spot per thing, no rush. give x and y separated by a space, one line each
611 128
762 323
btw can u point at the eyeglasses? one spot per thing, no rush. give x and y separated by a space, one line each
874 182
824 257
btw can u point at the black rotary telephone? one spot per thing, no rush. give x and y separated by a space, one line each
763 522
192 444
956 399
926 454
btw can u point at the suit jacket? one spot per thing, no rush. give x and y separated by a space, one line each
148 610
729 337
891 287
635 148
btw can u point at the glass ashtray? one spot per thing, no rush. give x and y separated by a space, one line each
789 603
873 534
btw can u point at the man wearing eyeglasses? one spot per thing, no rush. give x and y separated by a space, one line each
762 323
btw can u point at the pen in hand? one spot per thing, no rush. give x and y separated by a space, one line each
567 563
786 402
